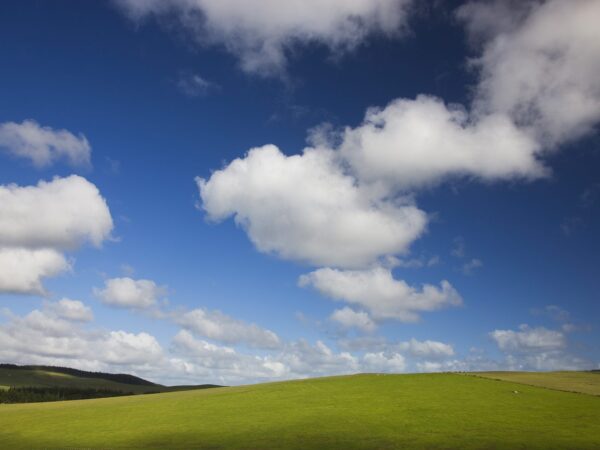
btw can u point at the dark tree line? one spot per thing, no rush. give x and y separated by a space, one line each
53 394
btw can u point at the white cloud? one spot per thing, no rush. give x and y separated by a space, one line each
121 347
380 294
528 339
412 143
304 208
73 310
23 270
413 347
221 327
44 337
47 336
304 359
542 70
60 214
129 293
43 145
262 33
46 323
349 318
381 362
38 223
426 349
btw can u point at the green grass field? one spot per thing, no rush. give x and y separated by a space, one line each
424 411
584 382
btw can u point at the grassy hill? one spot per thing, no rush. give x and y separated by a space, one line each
424 411
62 377
583 382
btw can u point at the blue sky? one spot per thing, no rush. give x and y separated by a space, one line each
422 193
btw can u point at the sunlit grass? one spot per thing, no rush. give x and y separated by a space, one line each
445 411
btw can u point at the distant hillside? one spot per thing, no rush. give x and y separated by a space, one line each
118 377
47 383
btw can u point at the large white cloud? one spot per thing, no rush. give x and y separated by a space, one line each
73 310
304 208
261 33
380 294
221 327
541 66
38 223
60 214
349 318
43 145
129 293
22 270
411 143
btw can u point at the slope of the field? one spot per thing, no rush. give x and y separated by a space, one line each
54 377
427 411
584 382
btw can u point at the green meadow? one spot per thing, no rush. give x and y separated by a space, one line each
421 411
584 382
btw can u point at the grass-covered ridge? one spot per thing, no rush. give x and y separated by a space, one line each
583 382
425 411
56 378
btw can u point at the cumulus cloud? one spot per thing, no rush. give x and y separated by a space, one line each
413 143
121 347
355 206
330 220
60 214
221 327
43 145
541 70
54 335
22 270
262 34
349 318
129 293
537 348
380 294
73 310
528 339
38 223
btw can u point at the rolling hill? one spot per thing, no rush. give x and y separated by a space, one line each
63 377
421 411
